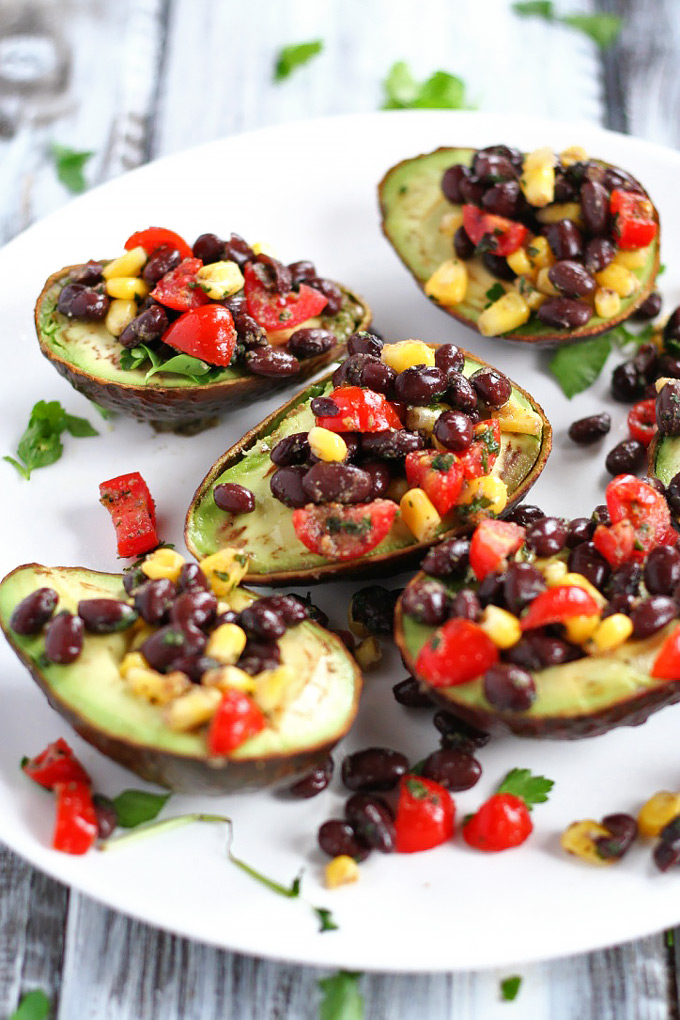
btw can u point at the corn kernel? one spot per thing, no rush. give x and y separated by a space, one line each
450 222
407 353
120 314
519 262
272 686
263 248
501 626
132 660
580 628
127 287
226 643
163 563
544 284
540 253
448 284
560 211
607 303
513 417
618 278
423 419
229 678
192 709
553 571
224 570
129 264
573 154
158 688
368 653
538 177
575 580
533 297
579 839
220 279
326 445
507 313
612 632
487 487
419 515
635 258
657 812
342 870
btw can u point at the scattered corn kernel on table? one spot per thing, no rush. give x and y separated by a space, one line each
145 78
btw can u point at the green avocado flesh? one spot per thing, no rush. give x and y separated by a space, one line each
413 206
581 698
92 695
89 347
267 534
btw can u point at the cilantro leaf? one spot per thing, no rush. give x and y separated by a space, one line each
69 166
295 55
603 29
341 997
538 8
326 922
35 1005
522 783
182 364
441 91
134 807
41 445
510 987
106 414
495 292
621 336
79 428
576 367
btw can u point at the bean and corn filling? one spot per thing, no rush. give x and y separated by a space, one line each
565 236
403 433
195 637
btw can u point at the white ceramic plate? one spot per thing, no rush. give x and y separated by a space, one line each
309 190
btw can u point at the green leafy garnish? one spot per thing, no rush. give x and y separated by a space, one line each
41 443
291 891
198 371
182 364
510 987
135 807
294 56
495 292
577 367
661 269
326 922
441 91
35 1005
341 997
522 783
103 411
603 29
69 165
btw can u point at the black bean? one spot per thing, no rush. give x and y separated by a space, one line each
666 855
33 612
330 291
620 603
410 694
489 167
191 577
146 328
194 608
291 608
393 444
547 536
673 494
420 385
234 498
624 581
491 387
286 486
272 362
170 643
260 620
613 178
154 599
539 651
671 333
565 191
458 733
454 430
498 266
503 199
133 578
449 359
653 614
237 250
564 313
523 582
64 638
595 207
580 530
456 770
601 514
472 190
462 245
372 821
598 254
364 343
273 274
627 383
251 335
589 430
302 271
465 605
381 476
208 248
448 559
627 457
293 449
585 559
90 273
77 301
163 260
490 591
333 482
314 782
194 664
572 279
623 832
509 688
378 376
106 616
525 514
451 182
375 768
338 838
309 342
650 307
668 409
565 239
373 608
426 601
461 393
258 656
350 371
662 570
646 360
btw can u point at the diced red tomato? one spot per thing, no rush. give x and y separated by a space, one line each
501 236
502 822
615 542
340 532
179 289
425 815
634 223
667 663
207 333
56 764
76 828
440 475
280 311
360 411
456 653
153 237
491 544
482 453
128 500
642 420
555 605
237 719
629 498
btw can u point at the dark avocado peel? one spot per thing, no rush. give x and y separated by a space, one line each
582 698
88 356
412 206
276 556
91 695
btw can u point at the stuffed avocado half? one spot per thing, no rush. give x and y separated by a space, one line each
536 248
346 479
176 335
166 699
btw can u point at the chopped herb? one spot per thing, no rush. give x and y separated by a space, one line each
335 524
466 510
291 891
103 411
41 443
487 244
294 56
495 292
522 783
35 1005
662 269
69 166
326 922
443 462
510 987
441 91
577 367
539 8
135 807
341 997
603 29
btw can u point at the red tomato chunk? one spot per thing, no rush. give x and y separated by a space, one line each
455 654
425 815
128 500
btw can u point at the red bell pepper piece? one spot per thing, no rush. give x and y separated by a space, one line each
153 237
179 289
456 653
340 532
76 828
502 822
482 453
440 475
280 311
360 411
615 542
500 235
56 764
425 815
634 223
667 663
207 333
128 500
491 544
236 720
642 420
629 498
555 605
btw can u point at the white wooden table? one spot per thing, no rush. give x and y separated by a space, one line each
138 79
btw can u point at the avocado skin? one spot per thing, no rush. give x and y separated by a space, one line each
390 191
632 711
187 409
182 773
368 566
